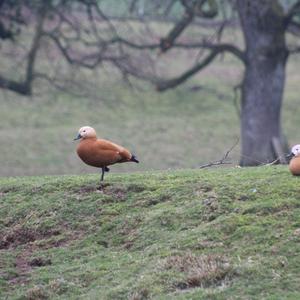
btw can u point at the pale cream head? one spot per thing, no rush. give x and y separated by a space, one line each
296 150
86 132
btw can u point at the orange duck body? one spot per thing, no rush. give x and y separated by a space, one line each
294 164
102 153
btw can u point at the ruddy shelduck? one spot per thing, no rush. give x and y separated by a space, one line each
100 153
294 164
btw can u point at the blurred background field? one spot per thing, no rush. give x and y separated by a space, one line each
181 128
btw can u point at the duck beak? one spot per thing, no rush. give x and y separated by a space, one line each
78 137
290 155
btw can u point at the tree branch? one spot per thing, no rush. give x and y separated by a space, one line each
192 9
35 47
167 42
168 84
18 87
25 87
221 47
221 161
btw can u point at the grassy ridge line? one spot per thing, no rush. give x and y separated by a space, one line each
210 234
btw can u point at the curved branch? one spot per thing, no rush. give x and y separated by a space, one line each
168 84
224 47
192 9
15 86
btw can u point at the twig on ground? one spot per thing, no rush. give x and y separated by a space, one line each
272 163
221 161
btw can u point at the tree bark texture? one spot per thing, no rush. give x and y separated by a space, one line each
263 25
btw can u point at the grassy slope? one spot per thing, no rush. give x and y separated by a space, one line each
142 237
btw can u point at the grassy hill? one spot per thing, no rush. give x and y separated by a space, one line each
190 234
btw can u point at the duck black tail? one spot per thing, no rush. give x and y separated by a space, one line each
134 159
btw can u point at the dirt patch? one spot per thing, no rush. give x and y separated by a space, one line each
32 241
40 262
89 189
128 245
211 209
6 190
246 197
116 193
9 189
204 191
21 235
24 264
22 268
206 188
59 241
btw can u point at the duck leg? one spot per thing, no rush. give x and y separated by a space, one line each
101 179
103 170
102 175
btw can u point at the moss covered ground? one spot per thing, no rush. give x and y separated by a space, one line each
227 233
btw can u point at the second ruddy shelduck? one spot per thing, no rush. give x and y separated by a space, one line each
100 153
294 164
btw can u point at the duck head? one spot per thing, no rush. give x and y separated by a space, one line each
86 132
295 151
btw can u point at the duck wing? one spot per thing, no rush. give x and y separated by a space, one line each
119 153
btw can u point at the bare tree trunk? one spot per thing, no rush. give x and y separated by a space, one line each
263 25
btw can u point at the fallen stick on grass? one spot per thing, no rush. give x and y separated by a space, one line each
221 161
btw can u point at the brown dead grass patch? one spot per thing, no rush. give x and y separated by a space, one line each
36 293
141 294
200 271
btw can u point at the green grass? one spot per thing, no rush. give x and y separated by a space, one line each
211 234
